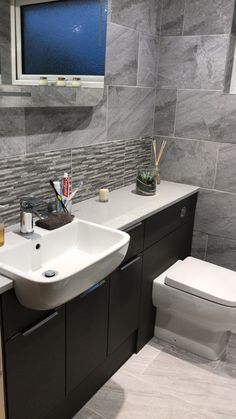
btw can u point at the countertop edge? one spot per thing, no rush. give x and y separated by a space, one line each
5 284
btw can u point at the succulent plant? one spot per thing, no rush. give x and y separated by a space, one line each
146 182
146 177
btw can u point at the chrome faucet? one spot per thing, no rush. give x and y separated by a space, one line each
28 207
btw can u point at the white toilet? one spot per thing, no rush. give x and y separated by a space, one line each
196 306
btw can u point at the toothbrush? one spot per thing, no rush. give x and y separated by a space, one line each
73 194
58 196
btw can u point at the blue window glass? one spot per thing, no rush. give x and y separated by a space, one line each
64 37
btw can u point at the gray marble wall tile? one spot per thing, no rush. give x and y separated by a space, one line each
97 167
130 112
90 97
226 168
188 161
5 34
206 116
165 106
138 153
216 214
50 129
205 17
12 146
143 15
172 17
44 96
196 53
222 251
121 55
12 122
5 56
147 60
193 62
199 245
30 174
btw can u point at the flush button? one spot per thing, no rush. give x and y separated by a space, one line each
183 212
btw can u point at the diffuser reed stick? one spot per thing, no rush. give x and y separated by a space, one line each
163 145
157 157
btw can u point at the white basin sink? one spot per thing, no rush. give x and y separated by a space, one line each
81 253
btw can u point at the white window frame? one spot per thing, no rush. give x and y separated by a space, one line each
18 78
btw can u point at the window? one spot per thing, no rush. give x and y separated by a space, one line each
59 38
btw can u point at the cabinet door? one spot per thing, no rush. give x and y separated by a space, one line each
157 259
17 317
125 285
168 220
35 368
136 233
86 333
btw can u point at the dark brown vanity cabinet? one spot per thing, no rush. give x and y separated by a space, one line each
86 333
55 361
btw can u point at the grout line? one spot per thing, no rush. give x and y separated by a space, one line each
107 112
194 139
216 166
213 235
158 61
217 191
195 89
152 35
175 120
153 116
206 247
94 411
138 63
133 86
211 35
159 46
161 17
183 27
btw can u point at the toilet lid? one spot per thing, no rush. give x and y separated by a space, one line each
203 279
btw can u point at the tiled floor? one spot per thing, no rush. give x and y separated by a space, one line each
163 382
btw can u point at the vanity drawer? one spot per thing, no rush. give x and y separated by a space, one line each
136 233
16 317
164 222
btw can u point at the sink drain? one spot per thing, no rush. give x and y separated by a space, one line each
49 274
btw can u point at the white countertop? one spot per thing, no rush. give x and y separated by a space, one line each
124 208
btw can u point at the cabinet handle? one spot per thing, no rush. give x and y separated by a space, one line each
133 227
93 288
40 324
183 212
130 263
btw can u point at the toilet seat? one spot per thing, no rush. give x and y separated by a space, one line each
203 279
